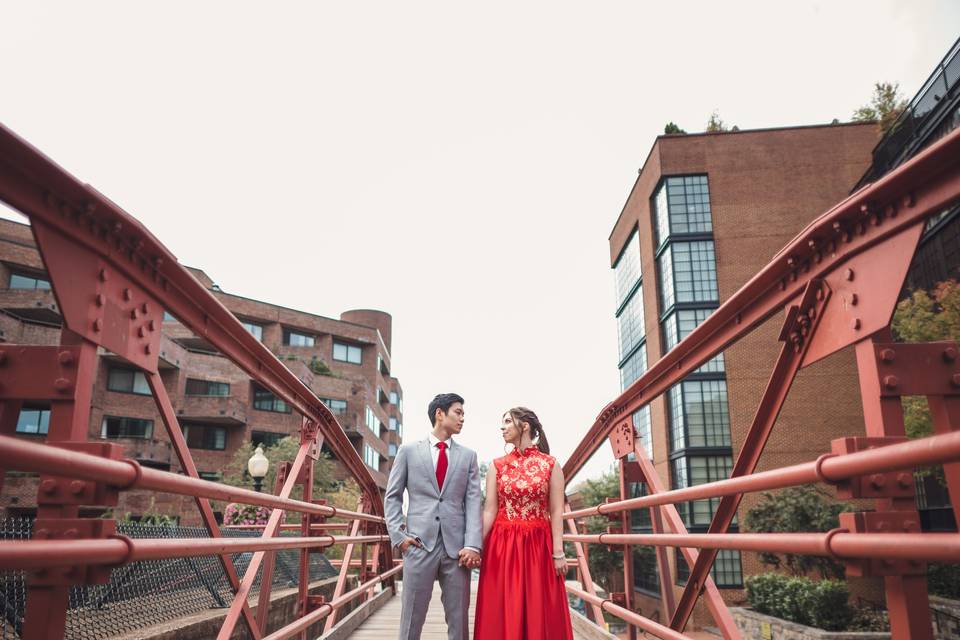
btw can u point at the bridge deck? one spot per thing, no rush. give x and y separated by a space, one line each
383 624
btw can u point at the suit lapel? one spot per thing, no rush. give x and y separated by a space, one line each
427 460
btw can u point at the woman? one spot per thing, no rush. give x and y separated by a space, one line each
521 594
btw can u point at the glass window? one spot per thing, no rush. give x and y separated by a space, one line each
264 400
678 326
682 205
33 420
197 387
726 572
373 423
212 476
119 427
696 470
168 317
630 323
641 423
202 436
393 449
698 414
127 381
394 398
661 214
688 273
266 438
20 281
371 456
640 521
645 574
347 353
627 268
338 407
255 330
393 423
294 339
634 367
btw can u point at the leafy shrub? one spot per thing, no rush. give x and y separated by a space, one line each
823 604
944 580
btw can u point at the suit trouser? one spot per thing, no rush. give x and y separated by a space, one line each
420 569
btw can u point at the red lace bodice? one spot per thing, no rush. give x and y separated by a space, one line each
523 485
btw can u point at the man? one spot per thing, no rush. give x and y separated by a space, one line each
441 538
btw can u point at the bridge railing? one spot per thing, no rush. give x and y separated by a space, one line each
113 281
837 284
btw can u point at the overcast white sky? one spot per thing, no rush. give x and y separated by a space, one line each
457 165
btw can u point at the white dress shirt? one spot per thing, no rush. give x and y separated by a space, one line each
435 456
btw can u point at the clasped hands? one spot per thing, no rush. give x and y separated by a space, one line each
468 557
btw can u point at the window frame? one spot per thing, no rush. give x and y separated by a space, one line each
125 424
349 348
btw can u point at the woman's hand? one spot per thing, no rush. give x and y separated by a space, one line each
560 566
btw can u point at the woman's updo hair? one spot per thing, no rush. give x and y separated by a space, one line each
521 415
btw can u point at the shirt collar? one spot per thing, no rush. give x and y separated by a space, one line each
434 440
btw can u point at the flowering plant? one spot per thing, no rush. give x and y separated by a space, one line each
245 514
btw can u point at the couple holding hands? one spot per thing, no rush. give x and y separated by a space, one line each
514 536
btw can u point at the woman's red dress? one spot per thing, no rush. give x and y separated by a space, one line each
520 596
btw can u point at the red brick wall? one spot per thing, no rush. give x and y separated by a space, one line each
765 187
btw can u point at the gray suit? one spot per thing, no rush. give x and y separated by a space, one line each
445 521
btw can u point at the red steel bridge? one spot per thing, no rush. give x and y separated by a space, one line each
836 285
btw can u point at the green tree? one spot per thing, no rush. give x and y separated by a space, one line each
926 316
604 562
715 124
795 510
885 106
672 127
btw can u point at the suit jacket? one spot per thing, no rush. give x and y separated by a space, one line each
456 509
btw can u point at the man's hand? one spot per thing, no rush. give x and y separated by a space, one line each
469 558
403 546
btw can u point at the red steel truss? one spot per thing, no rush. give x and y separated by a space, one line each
836 283
113 280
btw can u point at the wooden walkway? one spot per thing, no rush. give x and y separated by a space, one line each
384 624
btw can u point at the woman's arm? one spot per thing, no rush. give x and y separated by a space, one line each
490 505
556 518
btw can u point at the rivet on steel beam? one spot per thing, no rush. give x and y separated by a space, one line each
157 263
89 208
42 534
866 209
103 275
860 229
905 480
875 219
101 299
76 487
891 382
783 285
949 354
855 323
820 293
71 533
127 295
890 210
66 358
147 350
955 380
97 325
48 486
817 257
791 262
854 299
909 525
908 200
141 332
144 308
134 314
887 355
878 480
152 325
848 275
61 384
811 313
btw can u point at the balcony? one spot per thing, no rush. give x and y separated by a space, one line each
352 425
223 410
153 453
31 305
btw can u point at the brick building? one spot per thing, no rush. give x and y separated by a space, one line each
346 362
706 213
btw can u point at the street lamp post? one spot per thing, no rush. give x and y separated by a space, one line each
257 466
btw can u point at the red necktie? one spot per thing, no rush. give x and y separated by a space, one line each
441 464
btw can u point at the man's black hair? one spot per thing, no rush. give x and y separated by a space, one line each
442 401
